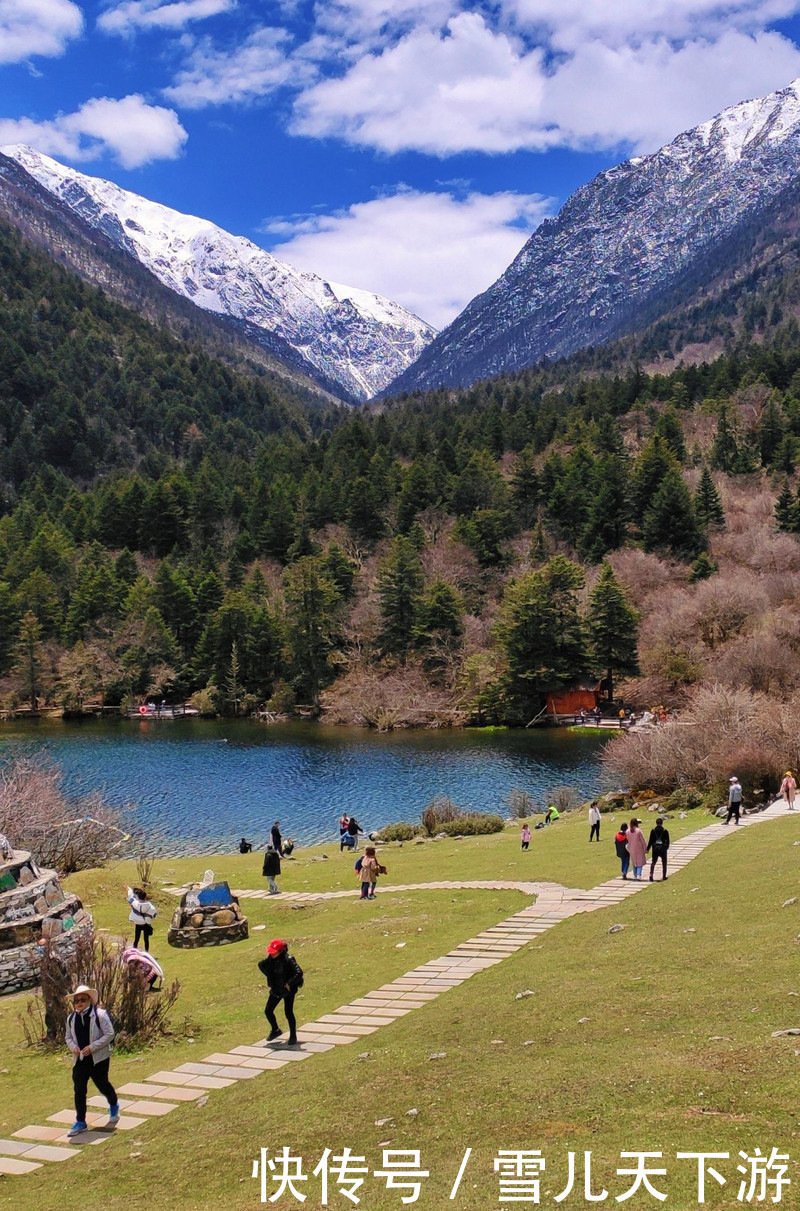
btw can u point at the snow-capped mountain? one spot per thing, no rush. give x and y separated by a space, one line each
624 248
354 339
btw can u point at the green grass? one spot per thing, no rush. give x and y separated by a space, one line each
676 1054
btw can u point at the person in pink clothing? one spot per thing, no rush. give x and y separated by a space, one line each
788 787
526 835
637 847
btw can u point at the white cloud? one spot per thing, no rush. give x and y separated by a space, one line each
37 27
130 130
440 93
473 88
571 23
131 15
456 247
255 68
647 95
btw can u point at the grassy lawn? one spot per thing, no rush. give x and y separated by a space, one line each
559 853
676 1054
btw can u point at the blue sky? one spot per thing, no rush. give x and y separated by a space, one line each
402 146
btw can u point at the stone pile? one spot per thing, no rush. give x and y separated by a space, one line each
33 905
209 915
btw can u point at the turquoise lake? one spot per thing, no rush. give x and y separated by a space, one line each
197 786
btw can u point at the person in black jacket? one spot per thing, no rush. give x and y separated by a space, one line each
276 838
658 846
353 829
271 869
284 976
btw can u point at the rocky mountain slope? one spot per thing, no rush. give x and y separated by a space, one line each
625 248
350 338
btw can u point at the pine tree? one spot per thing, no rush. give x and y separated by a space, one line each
702 568
669 428
541 635
724 453
400 582
707 503
29 659
613 627
785 511
670 523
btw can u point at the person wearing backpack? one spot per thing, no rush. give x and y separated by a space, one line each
657 845
89 1036
621 846
284 977
368 868
143 913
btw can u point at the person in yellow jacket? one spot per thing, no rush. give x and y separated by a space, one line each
552 814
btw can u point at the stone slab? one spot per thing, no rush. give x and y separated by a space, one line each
198 1069
152 1109
14 1147
263 1063
49 1152
209 1082
39 1133
12 1165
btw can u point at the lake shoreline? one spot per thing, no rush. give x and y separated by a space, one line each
196 787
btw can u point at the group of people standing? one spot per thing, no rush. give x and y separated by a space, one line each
632 849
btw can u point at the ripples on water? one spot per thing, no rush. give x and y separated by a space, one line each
197 786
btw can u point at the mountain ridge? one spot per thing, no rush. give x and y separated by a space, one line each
352 338
584 277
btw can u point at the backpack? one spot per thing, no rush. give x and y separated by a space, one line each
357 867
297 978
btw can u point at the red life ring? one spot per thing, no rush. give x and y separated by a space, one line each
142 710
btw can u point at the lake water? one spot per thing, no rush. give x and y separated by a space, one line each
197 786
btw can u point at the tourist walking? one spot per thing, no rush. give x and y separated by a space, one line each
526 835
368 868
657 845
788 787
271 869
143 913
734 800
284 977
276 839
594 821
89 1036
621 846
637 847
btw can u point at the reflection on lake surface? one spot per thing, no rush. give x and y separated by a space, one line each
197 786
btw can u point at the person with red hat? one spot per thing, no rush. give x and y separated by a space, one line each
284 976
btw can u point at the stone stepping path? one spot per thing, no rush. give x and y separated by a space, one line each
162 1092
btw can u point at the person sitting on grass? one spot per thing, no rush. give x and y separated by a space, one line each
89 1036
284 977
551 814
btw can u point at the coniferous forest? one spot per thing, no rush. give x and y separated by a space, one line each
172 526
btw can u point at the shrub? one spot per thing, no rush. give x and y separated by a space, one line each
521 804
683 799
63 834
439 811
139 1016
473 824
400 832
566 798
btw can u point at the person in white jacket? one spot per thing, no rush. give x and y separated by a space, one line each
89 1036
143 913
594 821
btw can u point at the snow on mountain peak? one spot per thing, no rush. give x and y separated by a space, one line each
357 339
621 243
